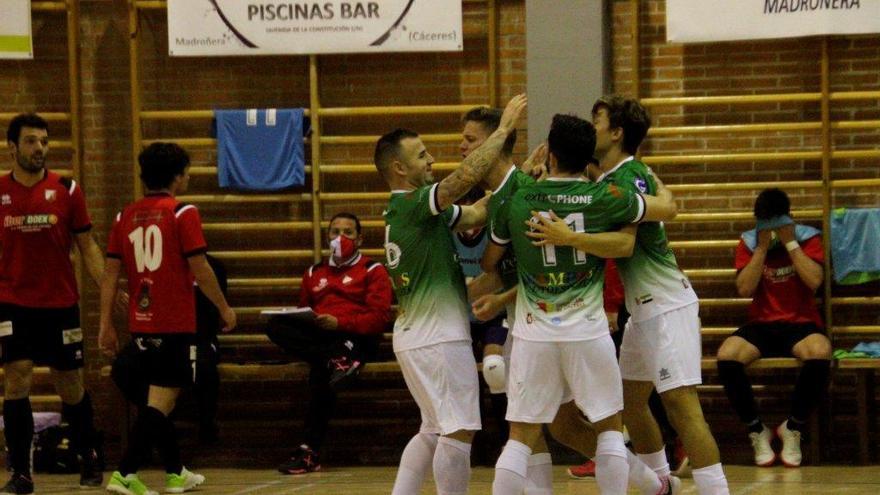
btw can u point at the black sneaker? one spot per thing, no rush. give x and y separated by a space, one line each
19 484
302 462
343 367
90 475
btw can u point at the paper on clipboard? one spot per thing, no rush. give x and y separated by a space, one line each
304 314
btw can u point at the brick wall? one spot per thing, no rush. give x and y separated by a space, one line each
358 80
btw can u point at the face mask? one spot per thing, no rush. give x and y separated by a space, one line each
342 248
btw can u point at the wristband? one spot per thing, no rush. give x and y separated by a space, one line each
792 245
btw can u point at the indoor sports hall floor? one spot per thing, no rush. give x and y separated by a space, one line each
837 480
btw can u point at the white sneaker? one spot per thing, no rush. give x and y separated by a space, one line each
185 481
672 486
791 445
764 455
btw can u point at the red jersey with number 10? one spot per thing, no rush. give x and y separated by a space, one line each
39 223
154 237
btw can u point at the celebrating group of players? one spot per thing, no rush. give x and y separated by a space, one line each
553 219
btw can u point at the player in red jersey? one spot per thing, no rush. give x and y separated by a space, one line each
779 265
43 215
160 243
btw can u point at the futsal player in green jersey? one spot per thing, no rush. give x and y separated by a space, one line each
562 350
431 334
661 346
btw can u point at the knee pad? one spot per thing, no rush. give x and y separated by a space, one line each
495 373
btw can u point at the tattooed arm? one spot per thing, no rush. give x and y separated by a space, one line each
481 160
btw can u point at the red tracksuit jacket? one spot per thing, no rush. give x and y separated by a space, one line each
358 294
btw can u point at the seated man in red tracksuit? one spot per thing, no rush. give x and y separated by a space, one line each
351 296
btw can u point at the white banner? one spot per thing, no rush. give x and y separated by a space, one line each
15 29
273 27
723 20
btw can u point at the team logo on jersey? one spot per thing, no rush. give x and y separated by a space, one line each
5 199
346 280
530 319
144 299
641 185
321 285
392 255
51 195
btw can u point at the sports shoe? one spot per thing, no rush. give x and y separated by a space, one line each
18 484
791 445
128 485
185 481
343 367
585 470
764 455
305 460
671 486
90 475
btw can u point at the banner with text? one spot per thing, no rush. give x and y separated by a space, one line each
275 27
15 29
723 20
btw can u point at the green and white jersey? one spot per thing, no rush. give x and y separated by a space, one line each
424 270
500 196
560 293
652 281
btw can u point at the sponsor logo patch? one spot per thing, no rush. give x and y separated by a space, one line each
72 336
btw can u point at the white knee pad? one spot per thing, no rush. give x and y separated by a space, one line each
495 373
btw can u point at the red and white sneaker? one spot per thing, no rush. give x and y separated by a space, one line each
585 470
791 445
764 455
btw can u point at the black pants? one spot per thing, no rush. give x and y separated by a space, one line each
133 382
316 347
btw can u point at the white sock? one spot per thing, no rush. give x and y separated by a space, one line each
658 462
452 466
414 464
539 477
511 469
710 480
641 475
612 467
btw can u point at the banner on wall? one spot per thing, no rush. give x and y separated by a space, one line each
725 20
275 27
15 29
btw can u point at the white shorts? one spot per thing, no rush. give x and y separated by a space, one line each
443 380
544 375
665 349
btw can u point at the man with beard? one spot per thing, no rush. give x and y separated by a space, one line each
44 213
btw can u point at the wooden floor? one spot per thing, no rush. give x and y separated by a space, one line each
838 480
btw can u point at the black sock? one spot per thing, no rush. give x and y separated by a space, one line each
756 426
809 390
794 424
80 417
166 443
19 432
140 441
739 391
